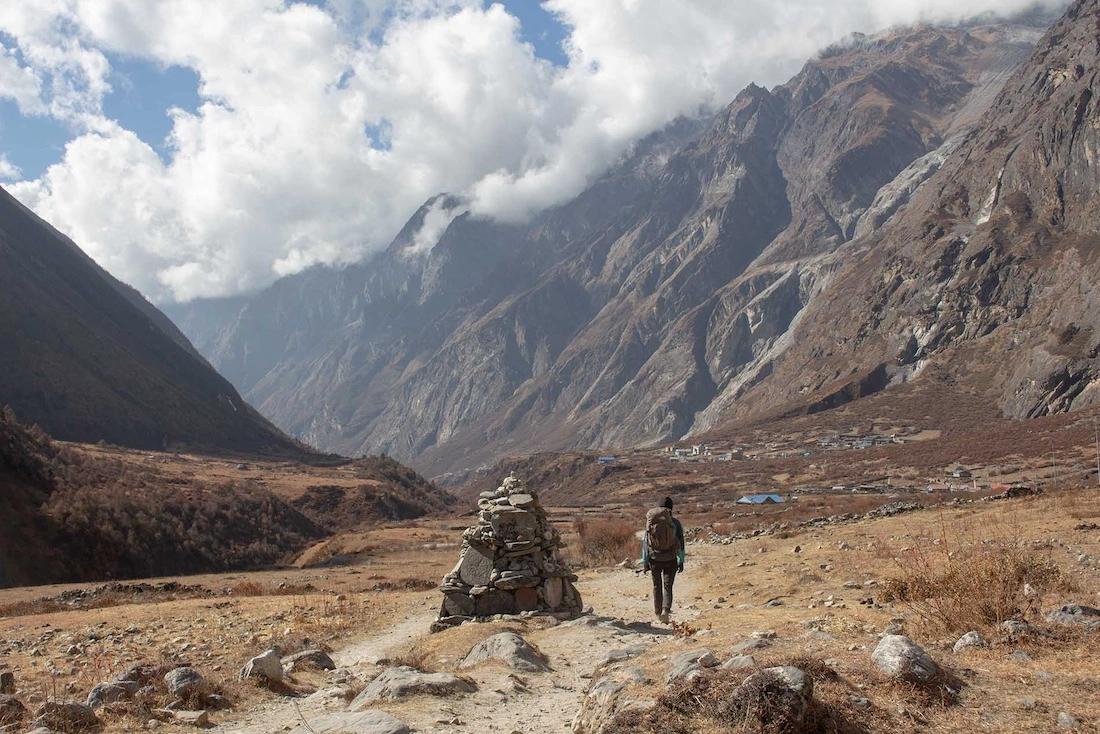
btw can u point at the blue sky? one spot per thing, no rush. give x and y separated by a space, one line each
143 92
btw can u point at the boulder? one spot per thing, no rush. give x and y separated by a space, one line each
899 657
606 697
509 648
689 664
12 709
67 717
267 667
393 684
774 699
7 682
970 639
317 659
359 722
112 692
185 682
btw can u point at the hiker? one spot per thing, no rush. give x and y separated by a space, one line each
662 555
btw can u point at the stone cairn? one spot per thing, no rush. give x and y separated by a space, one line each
509 563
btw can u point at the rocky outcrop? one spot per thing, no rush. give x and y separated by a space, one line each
509 649
393 684
510 562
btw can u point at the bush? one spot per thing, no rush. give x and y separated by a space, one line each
960 581
606 542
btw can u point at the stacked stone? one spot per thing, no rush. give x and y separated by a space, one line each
510 563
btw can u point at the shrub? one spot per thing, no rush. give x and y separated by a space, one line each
961 581
606 542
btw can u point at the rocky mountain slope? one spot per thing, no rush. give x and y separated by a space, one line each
75 513
88 359
702 278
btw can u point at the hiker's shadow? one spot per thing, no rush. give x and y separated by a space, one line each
648 628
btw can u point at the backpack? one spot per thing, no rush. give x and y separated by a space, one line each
661 534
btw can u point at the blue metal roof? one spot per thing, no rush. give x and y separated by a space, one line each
759 499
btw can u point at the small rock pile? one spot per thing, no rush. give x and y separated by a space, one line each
510 563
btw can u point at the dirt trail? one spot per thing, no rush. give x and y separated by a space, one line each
530 703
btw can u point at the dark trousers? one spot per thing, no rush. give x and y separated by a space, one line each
664 576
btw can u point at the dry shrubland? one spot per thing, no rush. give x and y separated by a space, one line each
971 578
605 542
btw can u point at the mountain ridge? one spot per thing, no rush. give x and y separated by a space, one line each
648 306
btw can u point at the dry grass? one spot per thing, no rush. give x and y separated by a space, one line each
605 542
969 578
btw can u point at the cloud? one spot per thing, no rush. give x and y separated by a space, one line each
322 129
8 170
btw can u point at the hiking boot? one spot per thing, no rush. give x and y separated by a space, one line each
663 616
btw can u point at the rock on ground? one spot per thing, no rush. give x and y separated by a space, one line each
185 682
318 659
605 699
739 662
688 664
400 682
899 657
11 709
773 699
7 682
510 649
105 693
357 722
970 639
267 666
1076 614
67 717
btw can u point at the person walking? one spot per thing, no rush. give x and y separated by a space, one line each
663 555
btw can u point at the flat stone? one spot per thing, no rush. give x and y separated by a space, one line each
521 500
739 662
552 592
476 565
393 684
371 721
496 601
621 654
527 599
755 643
458 604
510 649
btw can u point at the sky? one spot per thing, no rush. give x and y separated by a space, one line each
203 148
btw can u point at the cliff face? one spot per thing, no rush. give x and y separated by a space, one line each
88 359
698 280
991 271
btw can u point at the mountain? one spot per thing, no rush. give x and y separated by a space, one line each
988 273
88 358
703 278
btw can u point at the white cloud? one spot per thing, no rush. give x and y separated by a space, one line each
322 129
8 170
